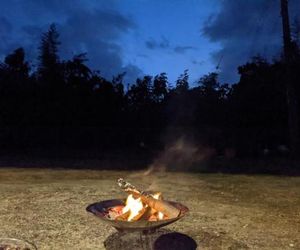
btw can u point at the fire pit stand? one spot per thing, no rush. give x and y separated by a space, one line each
161 239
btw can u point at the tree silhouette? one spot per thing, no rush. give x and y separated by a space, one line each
67 103
49 64
15 63
139 95
160 89
117 82
259 105
182 84
14 89
209 83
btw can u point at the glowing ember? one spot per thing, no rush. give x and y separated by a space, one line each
160 215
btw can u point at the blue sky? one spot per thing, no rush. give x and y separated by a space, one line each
168 37
150 36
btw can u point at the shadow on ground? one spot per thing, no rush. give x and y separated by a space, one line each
160 240
164 239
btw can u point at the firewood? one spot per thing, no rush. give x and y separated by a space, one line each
148 213
123 217
153 217
159 205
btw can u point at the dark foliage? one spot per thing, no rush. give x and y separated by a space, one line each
65 104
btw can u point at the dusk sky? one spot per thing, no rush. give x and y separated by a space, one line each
150 36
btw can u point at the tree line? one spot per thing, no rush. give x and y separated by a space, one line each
65 103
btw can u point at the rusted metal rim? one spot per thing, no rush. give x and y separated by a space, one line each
100 209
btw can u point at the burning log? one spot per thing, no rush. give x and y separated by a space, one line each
148 213
155 203
123 216
161 206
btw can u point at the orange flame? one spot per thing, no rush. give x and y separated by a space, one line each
136 208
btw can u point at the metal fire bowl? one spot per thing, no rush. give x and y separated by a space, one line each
100 209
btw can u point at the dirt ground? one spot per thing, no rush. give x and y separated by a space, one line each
47 207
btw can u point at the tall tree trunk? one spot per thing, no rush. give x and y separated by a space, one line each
292 102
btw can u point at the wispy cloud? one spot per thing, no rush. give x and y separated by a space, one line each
183 49
163 43
95 30
196 62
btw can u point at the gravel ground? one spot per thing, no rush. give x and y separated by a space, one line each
47 207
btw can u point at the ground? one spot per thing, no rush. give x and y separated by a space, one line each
47 207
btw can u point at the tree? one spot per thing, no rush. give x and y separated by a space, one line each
117 82
15 89
292 99
209 96
139 95
182 83
16 63
75 70
48 54
15 70
209 84
258 102
160 90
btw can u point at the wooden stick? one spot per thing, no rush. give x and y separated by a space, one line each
123 217
161 206
149 211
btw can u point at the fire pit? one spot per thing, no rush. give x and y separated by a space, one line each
102 210
141 211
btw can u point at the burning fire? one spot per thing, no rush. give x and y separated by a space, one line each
158 196
133 206
142 206
135 209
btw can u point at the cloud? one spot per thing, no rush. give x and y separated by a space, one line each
5 30
196 62
5 26
95 27
132 72
183 49
97 32
163 43
244 29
